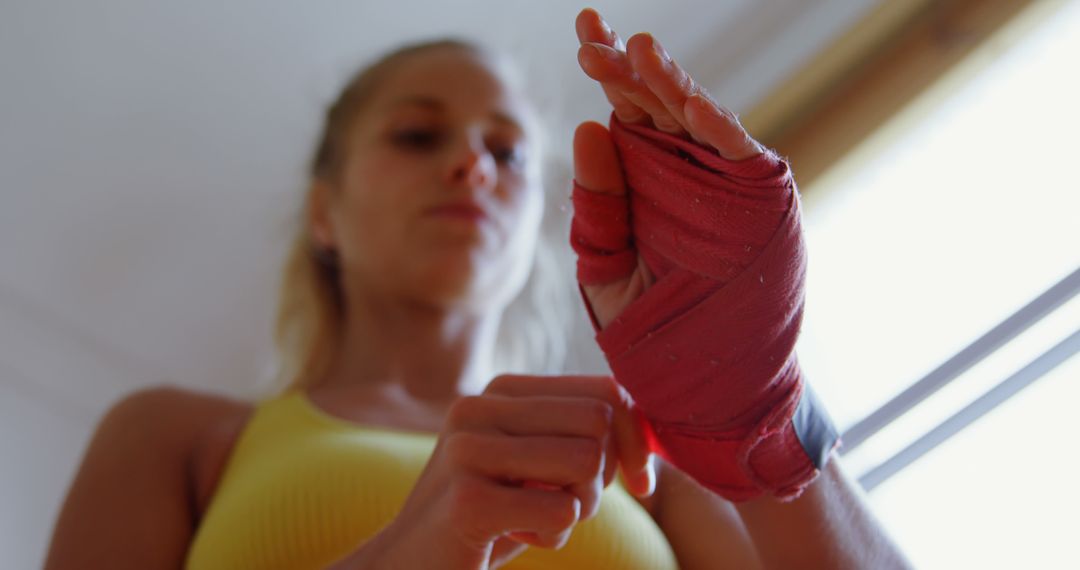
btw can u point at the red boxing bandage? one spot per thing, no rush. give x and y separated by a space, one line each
708 351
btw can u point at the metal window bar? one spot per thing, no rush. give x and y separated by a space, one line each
971 355
973 411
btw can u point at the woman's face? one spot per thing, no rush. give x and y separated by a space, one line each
438 200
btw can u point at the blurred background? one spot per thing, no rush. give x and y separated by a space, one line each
152 160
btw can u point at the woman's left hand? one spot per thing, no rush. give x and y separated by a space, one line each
644 86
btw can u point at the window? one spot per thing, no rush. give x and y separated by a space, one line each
954 215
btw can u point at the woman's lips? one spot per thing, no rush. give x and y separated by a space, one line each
460 211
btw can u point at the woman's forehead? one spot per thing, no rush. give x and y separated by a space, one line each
452 81
439 106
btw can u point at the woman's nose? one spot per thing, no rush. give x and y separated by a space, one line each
473 167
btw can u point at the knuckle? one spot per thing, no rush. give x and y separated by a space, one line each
667 124
685 84
631 117
609 389
460 448
500 384
588 458
463 410
589 508
589 495
599 417
626 110
466 495
565 514
612 392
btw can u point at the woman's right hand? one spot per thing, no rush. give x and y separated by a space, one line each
519 465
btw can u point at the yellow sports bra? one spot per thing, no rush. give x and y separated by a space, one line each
303 488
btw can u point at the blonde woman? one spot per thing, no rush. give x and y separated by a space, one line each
393 446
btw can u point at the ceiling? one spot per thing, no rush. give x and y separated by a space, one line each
152 153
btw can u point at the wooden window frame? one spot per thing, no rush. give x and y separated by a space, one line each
871 73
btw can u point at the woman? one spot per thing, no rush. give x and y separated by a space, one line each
393 450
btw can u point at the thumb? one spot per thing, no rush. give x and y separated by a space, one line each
596 162
600 232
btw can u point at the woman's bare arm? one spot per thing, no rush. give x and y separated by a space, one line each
704 530
133 501
828 526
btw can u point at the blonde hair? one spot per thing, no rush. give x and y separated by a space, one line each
310 304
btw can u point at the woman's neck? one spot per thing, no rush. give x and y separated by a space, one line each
431 355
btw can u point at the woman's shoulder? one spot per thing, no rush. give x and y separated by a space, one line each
166 397
202 427
145 465
176 414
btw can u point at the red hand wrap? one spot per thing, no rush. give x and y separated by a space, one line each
708 351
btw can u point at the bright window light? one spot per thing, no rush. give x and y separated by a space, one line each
957 213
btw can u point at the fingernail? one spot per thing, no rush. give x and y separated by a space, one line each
607 31
705 105
659 50
604 51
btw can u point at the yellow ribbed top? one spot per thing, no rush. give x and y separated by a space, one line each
303 488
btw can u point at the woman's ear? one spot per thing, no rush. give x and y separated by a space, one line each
320 224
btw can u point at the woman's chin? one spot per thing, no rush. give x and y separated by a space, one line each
465 281
447 278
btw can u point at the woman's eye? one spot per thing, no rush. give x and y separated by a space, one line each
507 154
419 139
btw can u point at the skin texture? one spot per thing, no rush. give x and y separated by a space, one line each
442 131
425 285
520 464
147 474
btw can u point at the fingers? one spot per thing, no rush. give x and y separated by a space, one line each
661 75
629 427
591 28
556 441
577 417
583 424
596 163
603 58
548 462
643 78
718 128
600 232
529 458
538 516
612 69
504 550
